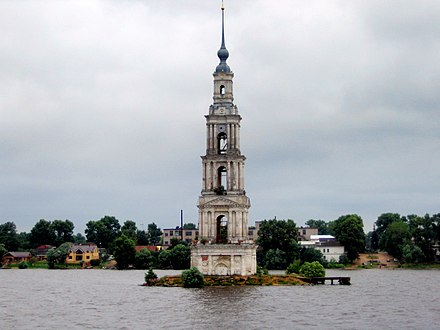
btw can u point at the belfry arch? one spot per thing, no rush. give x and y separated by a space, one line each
221 229
222 180
222 143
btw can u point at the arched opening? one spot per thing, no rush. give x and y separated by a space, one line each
222 90
222 181
222 230
222 143
221 269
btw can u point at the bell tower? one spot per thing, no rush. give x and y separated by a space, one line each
224 246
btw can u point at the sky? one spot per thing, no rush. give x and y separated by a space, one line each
102 107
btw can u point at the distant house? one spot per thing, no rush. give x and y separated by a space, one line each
188 235
330 248
41 251
304 233
14 257
82 252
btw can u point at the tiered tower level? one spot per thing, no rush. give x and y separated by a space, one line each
223 204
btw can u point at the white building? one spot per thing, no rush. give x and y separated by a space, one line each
330 248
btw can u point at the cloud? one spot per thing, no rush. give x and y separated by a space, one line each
103 103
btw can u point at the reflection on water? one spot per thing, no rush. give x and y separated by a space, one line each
102 299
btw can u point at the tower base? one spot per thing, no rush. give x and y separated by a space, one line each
225 259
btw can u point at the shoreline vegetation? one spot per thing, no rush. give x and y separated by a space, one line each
111 266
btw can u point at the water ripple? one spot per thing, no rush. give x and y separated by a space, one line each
100 299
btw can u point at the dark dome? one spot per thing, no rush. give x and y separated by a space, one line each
223 54
222 67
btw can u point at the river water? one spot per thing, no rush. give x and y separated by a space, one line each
111 299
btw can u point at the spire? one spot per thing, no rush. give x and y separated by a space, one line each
223 53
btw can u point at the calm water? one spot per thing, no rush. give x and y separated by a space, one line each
110 299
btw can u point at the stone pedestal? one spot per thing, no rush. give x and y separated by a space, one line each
225 259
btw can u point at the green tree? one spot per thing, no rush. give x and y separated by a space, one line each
164 259
143 259
349 231
320 224
103 232
3 250
436 225
62 231
58 255
412 254
8 236
24 243
193 278
395 236
423 234
79 239
294 267
42 234
331 227
155 259
150 277
281 235
124 252
275 259
310 255
382 223
130 230
180 257
176 241
142 238
189 226
372 241
312 269
154 234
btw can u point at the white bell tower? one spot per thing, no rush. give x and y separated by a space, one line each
224 247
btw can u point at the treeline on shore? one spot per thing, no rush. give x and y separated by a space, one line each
410 239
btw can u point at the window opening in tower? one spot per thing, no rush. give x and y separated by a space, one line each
222 230
222 179
222 143
222 90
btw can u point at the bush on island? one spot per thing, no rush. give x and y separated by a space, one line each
23 265
294 267
150 277
192 278
261 271
312 269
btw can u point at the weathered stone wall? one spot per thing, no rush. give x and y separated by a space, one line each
225 259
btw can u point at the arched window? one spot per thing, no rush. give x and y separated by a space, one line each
222 230
222 143
222 90
222 181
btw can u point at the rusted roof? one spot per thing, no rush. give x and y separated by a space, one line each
18 254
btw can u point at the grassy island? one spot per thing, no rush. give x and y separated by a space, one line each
234 280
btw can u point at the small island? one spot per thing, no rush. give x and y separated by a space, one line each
193 278
234 280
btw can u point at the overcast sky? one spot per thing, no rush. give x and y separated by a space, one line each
102 107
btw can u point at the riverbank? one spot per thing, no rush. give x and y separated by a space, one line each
376 260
